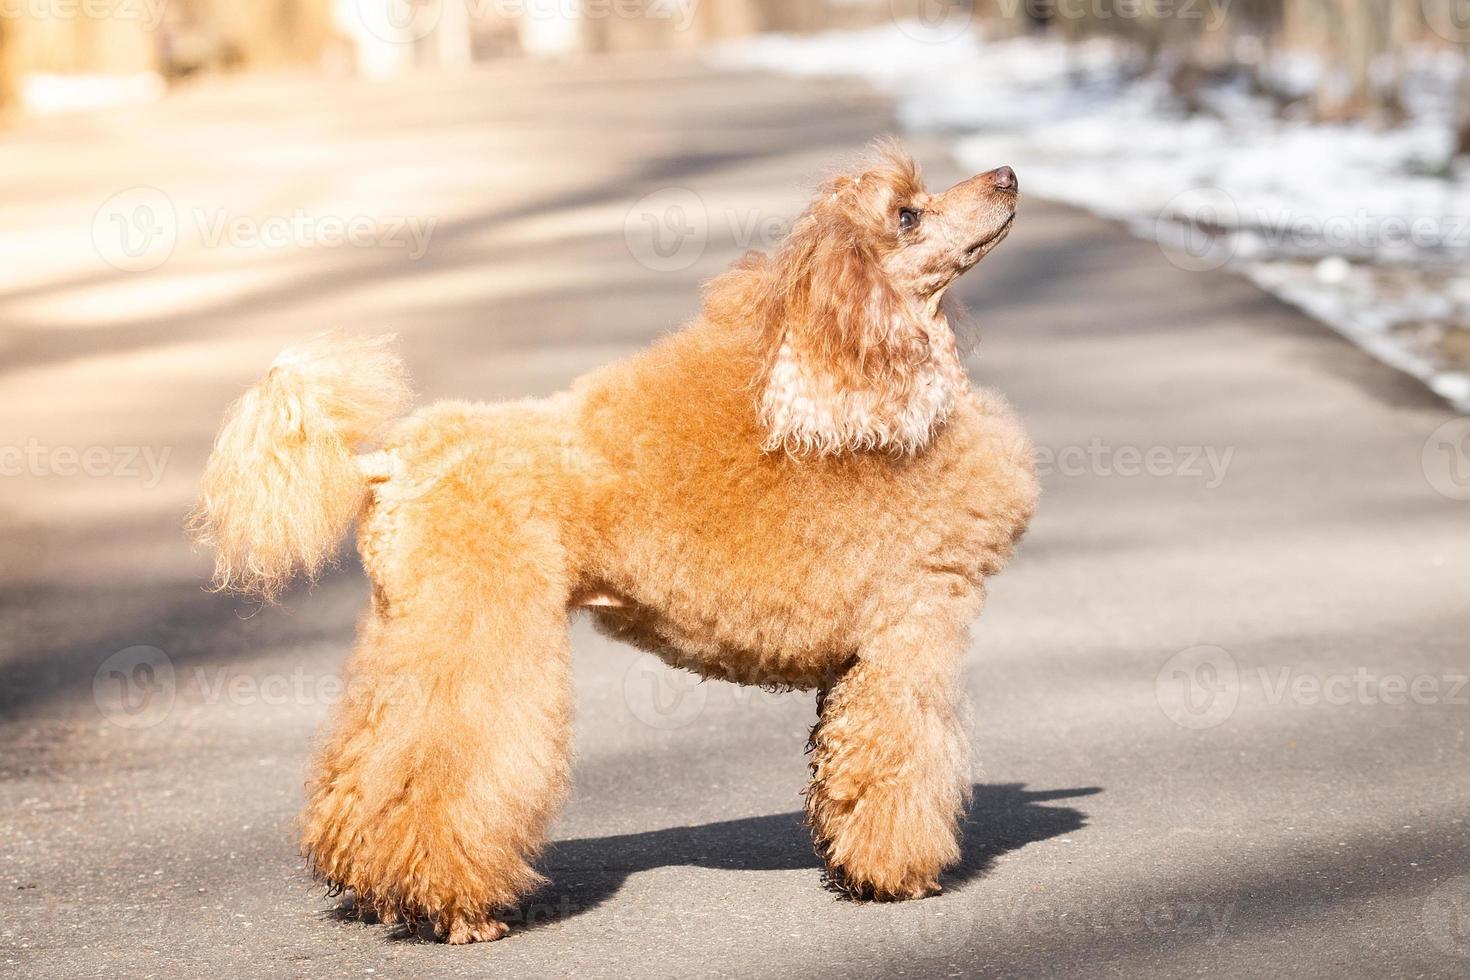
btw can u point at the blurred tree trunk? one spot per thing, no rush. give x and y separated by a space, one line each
1345 88
1462 143
1354 34
453 46
9 70
227 34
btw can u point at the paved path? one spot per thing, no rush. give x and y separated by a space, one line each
1306 817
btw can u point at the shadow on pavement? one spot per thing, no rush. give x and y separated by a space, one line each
588 871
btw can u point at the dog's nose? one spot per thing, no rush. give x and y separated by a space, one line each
1003 179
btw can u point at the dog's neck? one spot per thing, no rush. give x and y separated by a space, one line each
805 410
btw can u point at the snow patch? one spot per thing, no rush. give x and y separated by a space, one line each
1238 183
46 94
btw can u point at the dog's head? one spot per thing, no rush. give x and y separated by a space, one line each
860 354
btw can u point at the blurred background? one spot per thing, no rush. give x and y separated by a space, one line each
1221 696
1273 135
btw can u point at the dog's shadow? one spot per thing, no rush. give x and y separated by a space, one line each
585 872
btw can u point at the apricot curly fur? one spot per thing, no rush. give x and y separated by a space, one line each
799 490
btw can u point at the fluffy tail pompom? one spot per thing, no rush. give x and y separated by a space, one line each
282 488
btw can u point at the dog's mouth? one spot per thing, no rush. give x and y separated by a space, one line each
974 252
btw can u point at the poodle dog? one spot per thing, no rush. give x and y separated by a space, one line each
799 489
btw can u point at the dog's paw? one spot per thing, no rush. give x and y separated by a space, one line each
921 889
901 889
903 892
461 930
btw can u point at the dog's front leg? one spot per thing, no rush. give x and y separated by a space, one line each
890 761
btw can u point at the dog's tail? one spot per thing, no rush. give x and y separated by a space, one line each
282 486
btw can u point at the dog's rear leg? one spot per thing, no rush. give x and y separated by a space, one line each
890 761
450 751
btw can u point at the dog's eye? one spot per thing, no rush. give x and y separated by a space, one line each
908 218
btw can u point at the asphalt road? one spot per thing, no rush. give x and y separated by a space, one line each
1219 700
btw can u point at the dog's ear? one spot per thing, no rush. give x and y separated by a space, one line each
848 364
